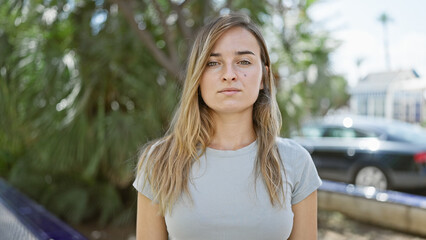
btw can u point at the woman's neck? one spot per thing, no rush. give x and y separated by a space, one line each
232 131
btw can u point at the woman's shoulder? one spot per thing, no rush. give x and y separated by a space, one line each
300 170
150 146
290 145
291 151
147 151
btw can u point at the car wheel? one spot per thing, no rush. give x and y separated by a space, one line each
372 176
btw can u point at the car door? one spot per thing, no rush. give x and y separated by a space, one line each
336 152
341 148
336 149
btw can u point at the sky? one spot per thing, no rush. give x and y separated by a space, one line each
355 24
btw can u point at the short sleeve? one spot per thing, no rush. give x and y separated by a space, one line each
300 171
306 177
142 186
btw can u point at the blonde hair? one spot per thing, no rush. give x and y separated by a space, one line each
166 163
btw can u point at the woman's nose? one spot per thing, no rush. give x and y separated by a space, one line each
229 73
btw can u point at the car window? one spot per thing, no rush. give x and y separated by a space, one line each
364 133
406 133
312 131
341 132
321 131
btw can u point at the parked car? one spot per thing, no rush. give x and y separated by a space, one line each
366 151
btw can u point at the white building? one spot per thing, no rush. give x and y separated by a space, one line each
398 95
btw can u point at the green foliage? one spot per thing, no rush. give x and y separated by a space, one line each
307 87
77 107
81 91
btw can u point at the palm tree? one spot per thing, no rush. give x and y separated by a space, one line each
359 61
384 18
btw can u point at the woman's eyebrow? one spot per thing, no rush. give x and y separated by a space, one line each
244 52
236 53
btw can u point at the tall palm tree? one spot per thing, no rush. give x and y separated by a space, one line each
359 61
384 18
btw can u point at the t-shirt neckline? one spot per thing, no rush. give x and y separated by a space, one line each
232 153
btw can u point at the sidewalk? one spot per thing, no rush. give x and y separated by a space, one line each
336 226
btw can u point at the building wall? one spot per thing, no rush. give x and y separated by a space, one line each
396 94
369 104
409 106
405 105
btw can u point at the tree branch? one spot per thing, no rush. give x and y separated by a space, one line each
229 4
169 37
146 37
183 3
186 31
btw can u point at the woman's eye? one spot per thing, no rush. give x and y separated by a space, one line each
211 64
245 62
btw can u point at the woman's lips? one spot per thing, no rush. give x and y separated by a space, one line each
229 91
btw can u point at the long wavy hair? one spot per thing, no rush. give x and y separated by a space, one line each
166 163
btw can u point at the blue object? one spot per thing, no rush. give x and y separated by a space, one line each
22 218
372 193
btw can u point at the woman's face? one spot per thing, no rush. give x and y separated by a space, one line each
233 76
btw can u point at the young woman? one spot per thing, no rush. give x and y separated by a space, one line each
221 171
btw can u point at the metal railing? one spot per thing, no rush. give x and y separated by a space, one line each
396 210
22 218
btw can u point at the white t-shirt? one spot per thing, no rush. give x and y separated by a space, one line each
226 202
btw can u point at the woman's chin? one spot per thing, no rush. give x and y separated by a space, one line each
233 110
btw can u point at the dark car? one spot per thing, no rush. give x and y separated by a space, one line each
367 151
